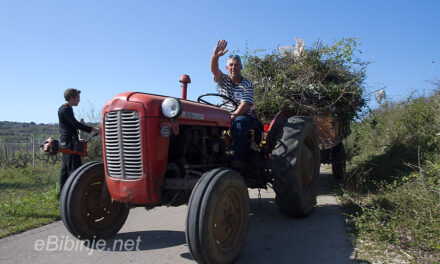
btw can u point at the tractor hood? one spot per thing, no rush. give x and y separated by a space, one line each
150 106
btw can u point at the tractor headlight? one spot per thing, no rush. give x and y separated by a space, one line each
171 107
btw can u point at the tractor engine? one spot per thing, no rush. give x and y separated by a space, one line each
194 151
157 147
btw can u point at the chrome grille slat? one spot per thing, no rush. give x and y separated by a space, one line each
123 144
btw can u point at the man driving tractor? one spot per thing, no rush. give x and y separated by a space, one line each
238 88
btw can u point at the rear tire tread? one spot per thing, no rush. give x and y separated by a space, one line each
298 132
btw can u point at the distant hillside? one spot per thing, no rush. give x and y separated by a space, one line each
18 129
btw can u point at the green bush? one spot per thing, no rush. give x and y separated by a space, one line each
404 218
384 145
393 184
326 79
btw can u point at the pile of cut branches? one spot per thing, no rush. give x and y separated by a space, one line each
325 79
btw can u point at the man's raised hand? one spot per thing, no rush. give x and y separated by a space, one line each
220 49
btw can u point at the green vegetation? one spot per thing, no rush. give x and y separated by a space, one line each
325 79
19 130
392 192
28 197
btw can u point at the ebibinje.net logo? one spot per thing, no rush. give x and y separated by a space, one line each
67 243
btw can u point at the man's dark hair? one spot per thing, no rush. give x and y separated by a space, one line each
71 92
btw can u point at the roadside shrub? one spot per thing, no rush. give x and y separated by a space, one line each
404 218
386 144
392 192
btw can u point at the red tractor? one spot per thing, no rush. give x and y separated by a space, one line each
161 150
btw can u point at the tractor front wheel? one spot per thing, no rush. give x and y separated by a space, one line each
218 217
86 208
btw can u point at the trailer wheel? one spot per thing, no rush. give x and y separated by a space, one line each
296 167
86 208
338 161
218 217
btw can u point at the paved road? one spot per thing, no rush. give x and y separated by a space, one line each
158 236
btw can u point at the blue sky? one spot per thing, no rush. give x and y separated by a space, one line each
108 47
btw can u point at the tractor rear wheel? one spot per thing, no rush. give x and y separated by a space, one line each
338 161
218 217
86 208
296 167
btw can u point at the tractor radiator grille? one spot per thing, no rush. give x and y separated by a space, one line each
123 144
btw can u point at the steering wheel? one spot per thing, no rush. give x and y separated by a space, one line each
226 98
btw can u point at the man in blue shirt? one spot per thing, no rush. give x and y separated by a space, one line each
238 88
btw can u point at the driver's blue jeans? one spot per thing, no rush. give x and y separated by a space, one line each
239 128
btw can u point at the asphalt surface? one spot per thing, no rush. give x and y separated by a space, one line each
158 236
